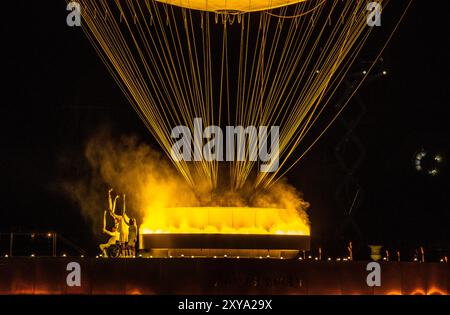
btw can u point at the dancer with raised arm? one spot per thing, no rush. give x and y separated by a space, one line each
121 220
114 237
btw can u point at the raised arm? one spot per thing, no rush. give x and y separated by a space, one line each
104 222
112 212
114 204
110 200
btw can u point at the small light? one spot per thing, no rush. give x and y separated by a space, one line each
96 256
49 234
309 257
32 235
281 257
317 71
260 257
182 255
268 256
215 256
150 256
225 256
415 259
82 256
384 72
364 72
442 260
329 259
438 158
170 256
140 255
315 258
64 255
237 257
345 259
6 256
433 172
338 259
192 256
32 255
384 258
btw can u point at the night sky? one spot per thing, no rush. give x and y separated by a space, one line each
56 93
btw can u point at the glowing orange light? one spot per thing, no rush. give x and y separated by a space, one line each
394 293
224 220
436 291
231 5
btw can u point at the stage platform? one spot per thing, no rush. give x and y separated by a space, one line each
218 276
219 245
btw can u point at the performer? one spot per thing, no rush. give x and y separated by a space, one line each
112 206
126 227
132 236
114 237
121 220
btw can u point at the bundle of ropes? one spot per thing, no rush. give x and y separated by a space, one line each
237 63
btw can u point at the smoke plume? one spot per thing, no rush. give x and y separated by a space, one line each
151 182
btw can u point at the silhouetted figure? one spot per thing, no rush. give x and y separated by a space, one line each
114 237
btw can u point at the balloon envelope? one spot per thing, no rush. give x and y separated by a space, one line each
231 5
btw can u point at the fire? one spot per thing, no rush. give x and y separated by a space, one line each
224 220
162 202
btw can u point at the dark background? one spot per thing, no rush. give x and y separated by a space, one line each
56 93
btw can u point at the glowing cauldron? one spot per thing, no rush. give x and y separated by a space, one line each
224 232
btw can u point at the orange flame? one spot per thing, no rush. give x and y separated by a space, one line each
224 220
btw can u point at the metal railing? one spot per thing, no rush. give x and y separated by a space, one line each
10 240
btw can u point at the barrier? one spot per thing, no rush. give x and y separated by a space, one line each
218 276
